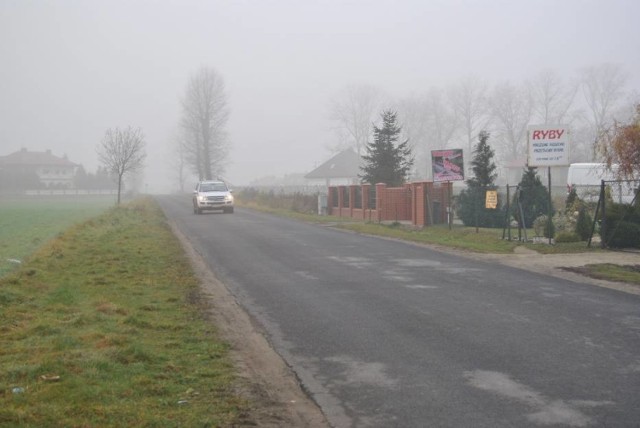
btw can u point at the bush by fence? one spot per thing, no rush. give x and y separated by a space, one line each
297 201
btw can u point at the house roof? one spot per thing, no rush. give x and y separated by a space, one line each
345 164
27 158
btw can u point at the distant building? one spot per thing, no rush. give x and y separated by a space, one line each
342 169
23 167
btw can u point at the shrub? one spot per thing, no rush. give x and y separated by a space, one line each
584 224
623 234
470 206
566 236
541 227
564 222
572 197
533 197
297 201
622 226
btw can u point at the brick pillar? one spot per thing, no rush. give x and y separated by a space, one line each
352 197
340 200
330 201
365 200
418 202
380 187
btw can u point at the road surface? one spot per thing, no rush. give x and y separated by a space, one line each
389 334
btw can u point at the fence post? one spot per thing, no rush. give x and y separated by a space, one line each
603 228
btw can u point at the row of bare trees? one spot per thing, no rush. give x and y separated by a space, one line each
201 145
454 116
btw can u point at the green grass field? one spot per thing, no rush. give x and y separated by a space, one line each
103 326
27 223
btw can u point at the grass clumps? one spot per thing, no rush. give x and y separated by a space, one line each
102 328
610 272
460 237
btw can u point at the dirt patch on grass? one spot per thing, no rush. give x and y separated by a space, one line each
270 386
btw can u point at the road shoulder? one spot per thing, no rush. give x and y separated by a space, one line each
266 381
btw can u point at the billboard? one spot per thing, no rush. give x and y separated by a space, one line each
548 145
447 165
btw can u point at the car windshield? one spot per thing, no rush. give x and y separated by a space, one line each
213 187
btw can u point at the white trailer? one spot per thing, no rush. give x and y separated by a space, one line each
587 177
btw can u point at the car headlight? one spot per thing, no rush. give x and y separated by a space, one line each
202 198
228 198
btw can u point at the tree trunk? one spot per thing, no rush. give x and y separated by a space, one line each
119 187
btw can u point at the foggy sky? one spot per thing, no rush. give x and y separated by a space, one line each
71 69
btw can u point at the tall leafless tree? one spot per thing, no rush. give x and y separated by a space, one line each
205 113
354 112
413 114
603 90
552 98
122 151
443 119
177 159
430 122
511 107
469 100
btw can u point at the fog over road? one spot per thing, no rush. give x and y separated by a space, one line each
383 333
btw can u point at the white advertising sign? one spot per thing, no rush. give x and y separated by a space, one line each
548 145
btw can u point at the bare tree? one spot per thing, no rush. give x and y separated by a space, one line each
354 113
552 98
603 89
443 119
177 159
413 113
430 122
204 116
469 100
122 151
511 108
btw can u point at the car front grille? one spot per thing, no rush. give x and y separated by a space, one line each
215 198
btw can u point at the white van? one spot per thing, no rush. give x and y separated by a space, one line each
586 178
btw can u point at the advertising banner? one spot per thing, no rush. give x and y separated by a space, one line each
548 145
447 165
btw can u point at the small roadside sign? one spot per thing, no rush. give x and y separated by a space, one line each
491 200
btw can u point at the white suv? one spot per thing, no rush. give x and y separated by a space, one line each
212 195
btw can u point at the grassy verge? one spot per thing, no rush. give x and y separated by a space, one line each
100 328
462 238
459 237
622 273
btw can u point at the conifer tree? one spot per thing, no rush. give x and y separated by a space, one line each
471 201
482 165
534 197
385 160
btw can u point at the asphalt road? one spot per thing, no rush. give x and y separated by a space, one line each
389 334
